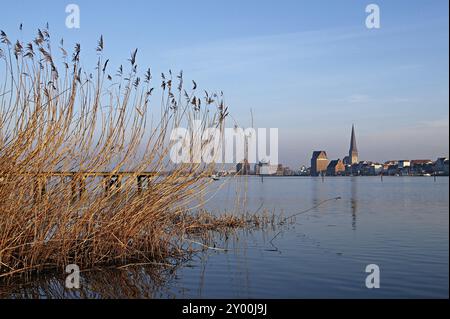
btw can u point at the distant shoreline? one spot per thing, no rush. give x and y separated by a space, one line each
330 176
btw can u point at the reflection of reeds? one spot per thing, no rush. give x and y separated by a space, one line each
66 120
133 282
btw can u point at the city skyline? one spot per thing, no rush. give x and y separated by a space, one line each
354 149
351 158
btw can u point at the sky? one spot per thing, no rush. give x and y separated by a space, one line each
309 68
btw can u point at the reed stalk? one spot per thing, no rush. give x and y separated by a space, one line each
66 137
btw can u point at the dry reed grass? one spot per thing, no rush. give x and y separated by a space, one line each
57 117
202 220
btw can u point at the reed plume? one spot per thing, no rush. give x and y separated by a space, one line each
85 175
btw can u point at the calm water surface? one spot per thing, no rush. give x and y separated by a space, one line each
401 224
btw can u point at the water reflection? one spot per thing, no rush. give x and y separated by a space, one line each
353 200
319 192
133 282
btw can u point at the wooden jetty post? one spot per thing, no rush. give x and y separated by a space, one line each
73 186
139 183
110 181
82 187
40 187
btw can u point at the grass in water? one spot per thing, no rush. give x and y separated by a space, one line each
66 138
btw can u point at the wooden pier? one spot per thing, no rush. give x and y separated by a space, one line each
111 181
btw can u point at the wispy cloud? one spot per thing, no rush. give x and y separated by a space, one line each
357 98
366 99
438 123
235 53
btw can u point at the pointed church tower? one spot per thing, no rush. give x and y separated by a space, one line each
353 152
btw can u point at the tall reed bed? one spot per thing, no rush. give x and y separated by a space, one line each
58 118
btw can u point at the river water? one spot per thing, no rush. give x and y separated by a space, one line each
401 224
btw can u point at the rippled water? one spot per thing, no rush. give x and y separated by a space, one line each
401 224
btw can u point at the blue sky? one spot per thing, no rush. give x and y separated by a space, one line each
310 68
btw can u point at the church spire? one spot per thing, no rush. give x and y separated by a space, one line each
353 147
353 152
